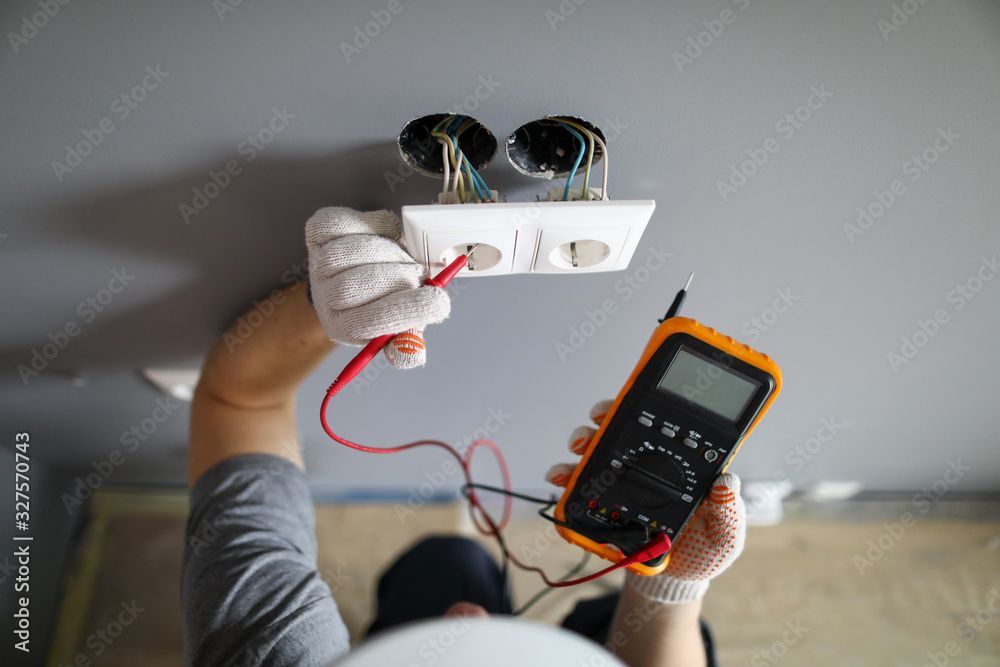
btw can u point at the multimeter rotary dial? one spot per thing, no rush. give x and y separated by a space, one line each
654 479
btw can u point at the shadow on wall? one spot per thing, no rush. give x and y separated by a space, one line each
238 231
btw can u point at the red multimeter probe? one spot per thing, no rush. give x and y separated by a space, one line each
629 497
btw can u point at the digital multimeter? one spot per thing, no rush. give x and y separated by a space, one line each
675 426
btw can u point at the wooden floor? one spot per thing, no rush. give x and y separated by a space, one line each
849 586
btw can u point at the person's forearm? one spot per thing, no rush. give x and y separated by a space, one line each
264 356
646 632
245 400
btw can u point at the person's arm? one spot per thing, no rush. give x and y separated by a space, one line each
647 632
250 589
364 284
245 401
656 621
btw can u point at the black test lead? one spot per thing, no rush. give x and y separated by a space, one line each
675 307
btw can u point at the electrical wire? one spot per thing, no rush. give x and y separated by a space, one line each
457 126
604 155
579 158
544 513
447 165
482 190
458 173
590 154
545 591
460 186
481 518
456 161
659 545
513 494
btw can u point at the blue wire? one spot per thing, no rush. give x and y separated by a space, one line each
579 159
482 190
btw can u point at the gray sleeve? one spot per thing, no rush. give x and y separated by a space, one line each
250 589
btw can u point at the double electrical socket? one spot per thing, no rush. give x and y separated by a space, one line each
564 237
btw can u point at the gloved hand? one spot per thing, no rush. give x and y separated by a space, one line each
364 284
710 543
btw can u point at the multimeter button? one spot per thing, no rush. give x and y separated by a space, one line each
667 431
645 421
616 464
711 455
693 444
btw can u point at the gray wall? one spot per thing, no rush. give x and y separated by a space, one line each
677 132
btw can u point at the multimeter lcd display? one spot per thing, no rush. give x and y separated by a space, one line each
708 384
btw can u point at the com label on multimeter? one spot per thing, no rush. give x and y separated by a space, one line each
674 427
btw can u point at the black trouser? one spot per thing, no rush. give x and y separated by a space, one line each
440 571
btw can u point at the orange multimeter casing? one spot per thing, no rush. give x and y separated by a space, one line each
674 427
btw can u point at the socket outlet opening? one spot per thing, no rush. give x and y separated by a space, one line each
579 254
485 258
422 152
544 148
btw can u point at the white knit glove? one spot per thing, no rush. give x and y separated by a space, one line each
710 543
364 284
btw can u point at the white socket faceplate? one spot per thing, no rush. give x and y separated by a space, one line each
528 237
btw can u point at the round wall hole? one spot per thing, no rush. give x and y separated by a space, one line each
422 151
579 254
486 256
544 148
